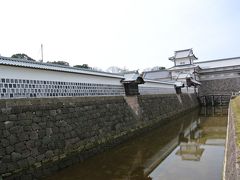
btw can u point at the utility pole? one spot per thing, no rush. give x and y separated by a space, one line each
42 52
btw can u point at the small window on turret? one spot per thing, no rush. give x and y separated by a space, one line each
182 63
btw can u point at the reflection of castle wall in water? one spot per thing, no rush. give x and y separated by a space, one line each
190 151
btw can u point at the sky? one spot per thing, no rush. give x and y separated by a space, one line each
132 34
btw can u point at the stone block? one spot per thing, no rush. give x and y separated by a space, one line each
34 152
40 157
27 128
51 145
12 117
38 143
30 144
42 149
46 140
2 152
50 123
58 111
35 126
12 139
11 167
67 135
58 117
9 149
6 159
49 154
60 144
8 124
16 129
26 122
43 125
36 119
16 156
31 161
26 153
39 113
41 133
5 133
4 117
3 168
23 164
55 130
33 135
6 110
38 164
20 147
53 112
62 129
23 136
21 116
49 131
4 142
71 110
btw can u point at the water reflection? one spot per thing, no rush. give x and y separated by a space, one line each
157 154
200 152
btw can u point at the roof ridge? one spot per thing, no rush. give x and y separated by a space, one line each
183 50
213 60
156 70
54 65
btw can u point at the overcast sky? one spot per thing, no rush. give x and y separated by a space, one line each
135 34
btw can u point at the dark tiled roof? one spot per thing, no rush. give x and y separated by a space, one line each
53 67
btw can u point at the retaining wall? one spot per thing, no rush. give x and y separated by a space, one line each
231 169
219 86
40 136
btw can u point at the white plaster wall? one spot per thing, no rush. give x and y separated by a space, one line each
145 90
182 60
182 72
152 84
156 88
37 74
188 90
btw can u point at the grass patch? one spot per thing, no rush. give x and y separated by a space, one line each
235 103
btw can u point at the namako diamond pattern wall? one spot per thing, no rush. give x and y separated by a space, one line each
17 88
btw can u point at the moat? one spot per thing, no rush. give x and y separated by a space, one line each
189 147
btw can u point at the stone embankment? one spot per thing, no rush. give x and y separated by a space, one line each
40 136
232 152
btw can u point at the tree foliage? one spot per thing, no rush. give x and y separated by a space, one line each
22 56
84 66
63 63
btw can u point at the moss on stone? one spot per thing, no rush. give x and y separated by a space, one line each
235 103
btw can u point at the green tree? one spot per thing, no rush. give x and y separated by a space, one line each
85 66
22 56
63 63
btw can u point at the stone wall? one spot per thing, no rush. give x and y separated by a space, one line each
39 136
219 86
159 108
231 169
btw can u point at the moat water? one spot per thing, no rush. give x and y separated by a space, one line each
189 147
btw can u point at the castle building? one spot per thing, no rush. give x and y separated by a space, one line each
185 66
